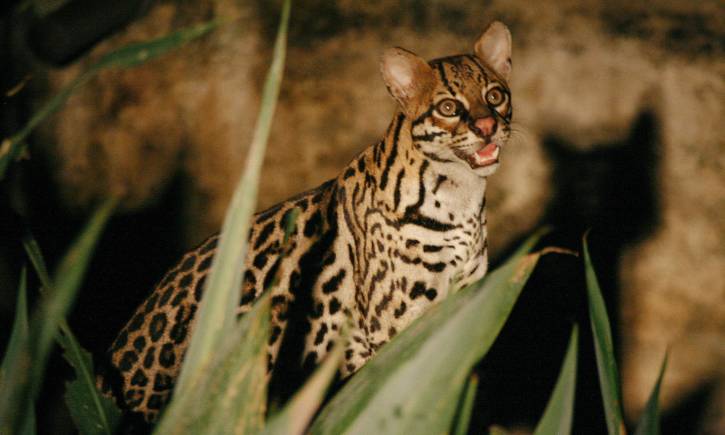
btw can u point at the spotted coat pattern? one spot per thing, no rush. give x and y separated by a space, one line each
401 227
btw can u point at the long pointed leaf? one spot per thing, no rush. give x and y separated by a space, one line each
388 395
231 398
559 412
46 319
217 313
67 281
17 357
649 422
92 412
604 349
127 56
463 419
297 414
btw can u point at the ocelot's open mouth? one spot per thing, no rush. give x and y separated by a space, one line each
486 155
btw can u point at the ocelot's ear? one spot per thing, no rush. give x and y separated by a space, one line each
409 79
494 48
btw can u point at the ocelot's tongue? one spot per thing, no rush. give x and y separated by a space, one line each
487 152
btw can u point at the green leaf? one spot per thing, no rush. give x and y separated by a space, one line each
559 412
498 430
604 348
17 358
92 412
231 397
297 414
463 419
51 312
226 360
649 422
68 277
19 334
409 386
217 316
127 56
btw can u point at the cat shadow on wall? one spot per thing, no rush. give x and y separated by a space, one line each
610 191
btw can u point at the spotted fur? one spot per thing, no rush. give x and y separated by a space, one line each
402 226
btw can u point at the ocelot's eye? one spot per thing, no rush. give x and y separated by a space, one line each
495 96
449 107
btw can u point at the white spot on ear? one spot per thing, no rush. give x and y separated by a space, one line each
494 49
406 75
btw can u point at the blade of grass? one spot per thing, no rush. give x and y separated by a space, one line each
649 422
92 412
604 349
297 414
44 323
231 398
17 353
127 56
68 276
221 296
463 420
387 396
559 412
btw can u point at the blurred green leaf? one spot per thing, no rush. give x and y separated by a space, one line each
231 397
217 315
297 414
128 56
92 412
497 430
68 276
649 422
17 358
226 360
604 348
463 419
388 395
559 412
19 334
27 372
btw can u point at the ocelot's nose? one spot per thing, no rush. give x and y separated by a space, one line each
487 125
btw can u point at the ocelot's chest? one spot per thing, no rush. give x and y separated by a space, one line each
406 254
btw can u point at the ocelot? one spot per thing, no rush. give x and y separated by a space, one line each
401 227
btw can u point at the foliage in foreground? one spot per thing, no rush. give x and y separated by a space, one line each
225 365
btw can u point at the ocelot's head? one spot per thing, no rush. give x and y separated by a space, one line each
460 106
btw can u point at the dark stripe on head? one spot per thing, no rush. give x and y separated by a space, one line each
444 79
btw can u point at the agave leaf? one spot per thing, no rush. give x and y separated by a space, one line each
127 56
92 412
28 376
297 414
231 397
68 276
232 381
17 357
559 412
409 386
463 419
221 296
604 349
649 422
